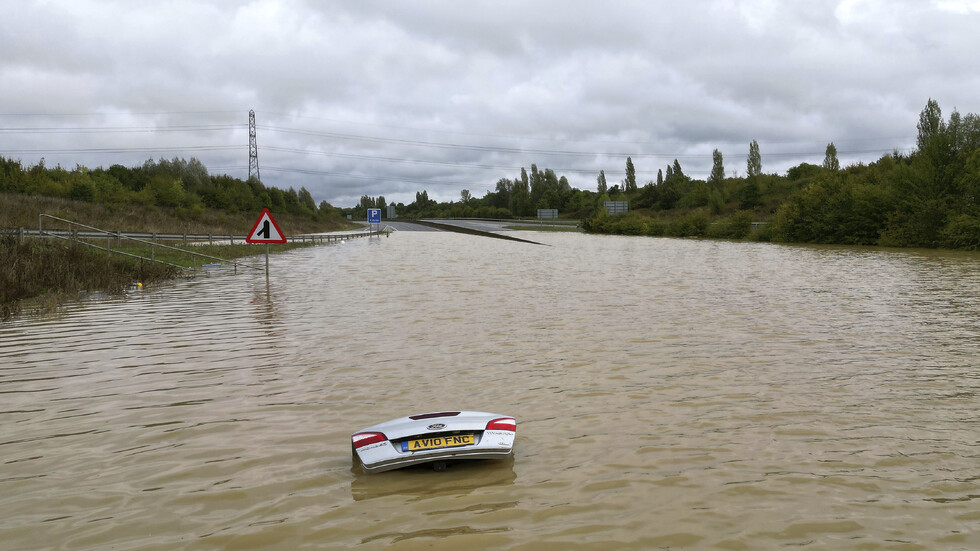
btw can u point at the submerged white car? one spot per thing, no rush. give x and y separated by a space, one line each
433 438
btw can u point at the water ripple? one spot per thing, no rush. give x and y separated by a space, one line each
670 393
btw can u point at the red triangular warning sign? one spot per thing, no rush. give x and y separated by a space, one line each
265 230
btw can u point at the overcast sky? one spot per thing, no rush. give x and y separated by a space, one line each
389 98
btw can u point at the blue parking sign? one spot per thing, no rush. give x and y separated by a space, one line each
374 216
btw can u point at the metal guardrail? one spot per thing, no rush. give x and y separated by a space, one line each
186 238
76 236
85 234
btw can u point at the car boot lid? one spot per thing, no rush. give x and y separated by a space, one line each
444 421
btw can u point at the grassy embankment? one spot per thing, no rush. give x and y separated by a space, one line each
18 210
526 227
39 274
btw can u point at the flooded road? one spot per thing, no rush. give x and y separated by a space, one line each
670 394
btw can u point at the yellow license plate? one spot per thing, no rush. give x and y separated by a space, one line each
434 442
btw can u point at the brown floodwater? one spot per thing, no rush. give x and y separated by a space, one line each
670 394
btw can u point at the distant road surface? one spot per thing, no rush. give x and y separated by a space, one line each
482 225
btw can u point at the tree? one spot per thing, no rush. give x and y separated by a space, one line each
195 174
550 180
717 177
520 196
749 195
537 184
939 156
305 199
601 181
668 195
630 183
292 199
830 161
276 198
754 165
81 189
677 169
501 198
660 177
930 125
464 196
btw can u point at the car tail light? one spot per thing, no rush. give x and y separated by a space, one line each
362 439
503 423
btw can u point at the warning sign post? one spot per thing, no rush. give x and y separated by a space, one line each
266 231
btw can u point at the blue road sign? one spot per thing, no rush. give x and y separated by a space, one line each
374 216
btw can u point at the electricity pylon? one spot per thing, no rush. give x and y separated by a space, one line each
253 149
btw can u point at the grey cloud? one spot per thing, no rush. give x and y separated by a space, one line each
623 77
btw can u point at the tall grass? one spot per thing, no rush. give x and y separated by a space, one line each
51 271
226 252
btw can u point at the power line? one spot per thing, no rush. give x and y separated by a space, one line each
505 167
358 176
124 149
553 140
523 151
253 164
424 162
493 149
117 113
312 172
418 161
115 129
360 123
415 143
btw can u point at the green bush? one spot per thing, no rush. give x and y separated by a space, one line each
81 189
962 232
630 223
736 226
762 232
656 228
694 224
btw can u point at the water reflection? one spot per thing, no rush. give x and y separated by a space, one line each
421 482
